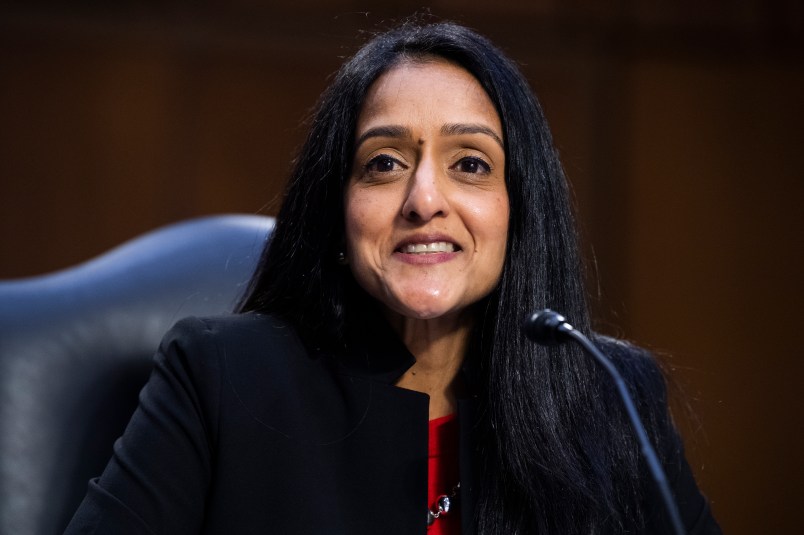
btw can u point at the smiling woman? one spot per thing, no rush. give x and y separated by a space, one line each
426 204
426 213
375 370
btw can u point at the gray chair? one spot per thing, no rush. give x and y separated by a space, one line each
76 348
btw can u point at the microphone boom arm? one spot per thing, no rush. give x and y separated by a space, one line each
549 328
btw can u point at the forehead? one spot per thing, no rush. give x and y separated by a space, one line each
431 89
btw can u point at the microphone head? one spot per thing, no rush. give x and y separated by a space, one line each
544 327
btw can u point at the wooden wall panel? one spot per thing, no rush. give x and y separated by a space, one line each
715 258
104 137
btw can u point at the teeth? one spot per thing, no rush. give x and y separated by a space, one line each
423 248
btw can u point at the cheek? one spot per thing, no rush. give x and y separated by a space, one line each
356 223
497 226
354 215
351 223
362 226
369 213
503 216
362 243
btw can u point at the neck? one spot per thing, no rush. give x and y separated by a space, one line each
439 346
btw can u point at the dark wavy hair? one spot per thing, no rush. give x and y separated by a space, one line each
557 454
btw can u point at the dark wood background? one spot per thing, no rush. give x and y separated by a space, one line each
679 123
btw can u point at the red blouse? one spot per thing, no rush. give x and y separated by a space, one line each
442 473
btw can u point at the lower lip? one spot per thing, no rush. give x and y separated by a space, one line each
425 258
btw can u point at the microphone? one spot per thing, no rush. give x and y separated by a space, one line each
546 327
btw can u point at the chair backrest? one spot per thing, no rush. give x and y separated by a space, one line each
76 348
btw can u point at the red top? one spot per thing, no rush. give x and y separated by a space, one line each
442 473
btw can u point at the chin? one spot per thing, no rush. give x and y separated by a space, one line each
425 315
425 312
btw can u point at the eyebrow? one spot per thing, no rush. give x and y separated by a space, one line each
452 129
384 131
457 129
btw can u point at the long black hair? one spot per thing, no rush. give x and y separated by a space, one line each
557 455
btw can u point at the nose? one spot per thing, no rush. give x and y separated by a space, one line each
426 197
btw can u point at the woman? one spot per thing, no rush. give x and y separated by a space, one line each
426 215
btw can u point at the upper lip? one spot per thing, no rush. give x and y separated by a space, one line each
427 238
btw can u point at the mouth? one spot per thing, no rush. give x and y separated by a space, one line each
425 248
421 245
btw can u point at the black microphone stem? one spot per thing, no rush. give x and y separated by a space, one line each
647 449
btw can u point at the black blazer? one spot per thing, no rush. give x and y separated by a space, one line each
241 430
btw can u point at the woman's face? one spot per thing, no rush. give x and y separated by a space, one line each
426 207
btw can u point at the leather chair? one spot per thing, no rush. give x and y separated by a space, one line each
76 348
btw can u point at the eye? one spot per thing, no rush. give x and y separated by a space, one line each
383 164
472 165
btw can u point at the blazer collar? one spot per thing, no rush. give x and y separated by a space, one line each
374 350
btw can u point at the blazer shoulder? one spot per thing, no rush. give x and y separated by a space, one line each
237 339
640 368
240 328
647 383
